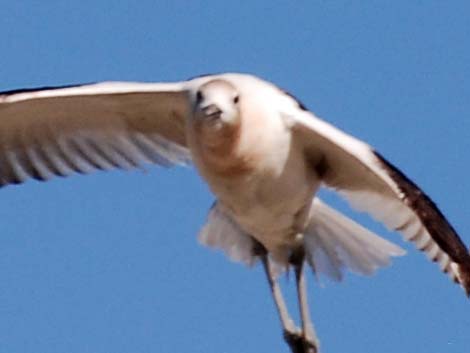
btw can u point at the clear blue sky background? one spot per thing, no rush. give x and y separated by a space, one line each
110 262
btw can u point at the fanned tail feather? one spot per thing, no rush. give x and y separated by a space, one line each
334 242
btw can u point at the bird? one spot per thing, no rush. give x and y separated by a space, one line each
264 156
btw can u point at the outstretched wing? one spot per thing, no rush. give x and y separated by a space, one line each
61 130
372 184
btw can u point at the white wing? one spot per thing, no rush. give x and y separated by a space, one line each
58 131
372 184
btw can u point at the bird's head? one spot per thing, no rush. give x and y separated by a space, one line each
216 106
215 127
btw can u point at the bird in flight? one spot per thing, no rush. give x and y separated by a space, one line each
263 155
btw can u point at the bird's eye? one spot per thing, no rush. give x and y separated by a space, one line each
236 99
199 96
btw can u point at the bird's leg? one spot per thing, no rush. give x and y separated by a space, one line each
309 338
292 335
290 331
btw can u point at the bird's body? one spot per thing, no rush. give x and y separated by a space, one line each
258 173
262 153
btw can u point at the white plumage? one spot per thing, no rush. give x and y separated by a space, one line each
261 152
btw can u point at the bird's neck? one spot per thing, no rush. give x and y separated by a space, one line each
218 151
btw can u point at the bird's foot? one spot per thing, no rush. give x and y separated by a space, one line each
299 343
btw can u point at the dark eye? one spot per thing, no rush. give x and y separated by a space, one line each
236 99
199 96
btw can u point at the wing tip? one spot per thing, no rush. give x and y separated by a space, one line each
464 276
42 88
435 223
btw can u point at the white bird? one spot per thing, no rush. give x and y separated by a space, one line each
262 153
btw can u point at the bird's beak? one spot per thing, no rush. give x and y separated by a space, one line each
211 111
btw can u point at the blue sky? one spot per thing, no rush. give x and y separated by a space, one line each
110 262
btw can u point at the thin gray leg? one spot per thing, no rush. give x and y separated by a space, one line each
287 324
304 341
309 337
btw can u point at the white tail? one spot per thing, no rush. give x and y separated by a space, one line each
220 231
334 242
